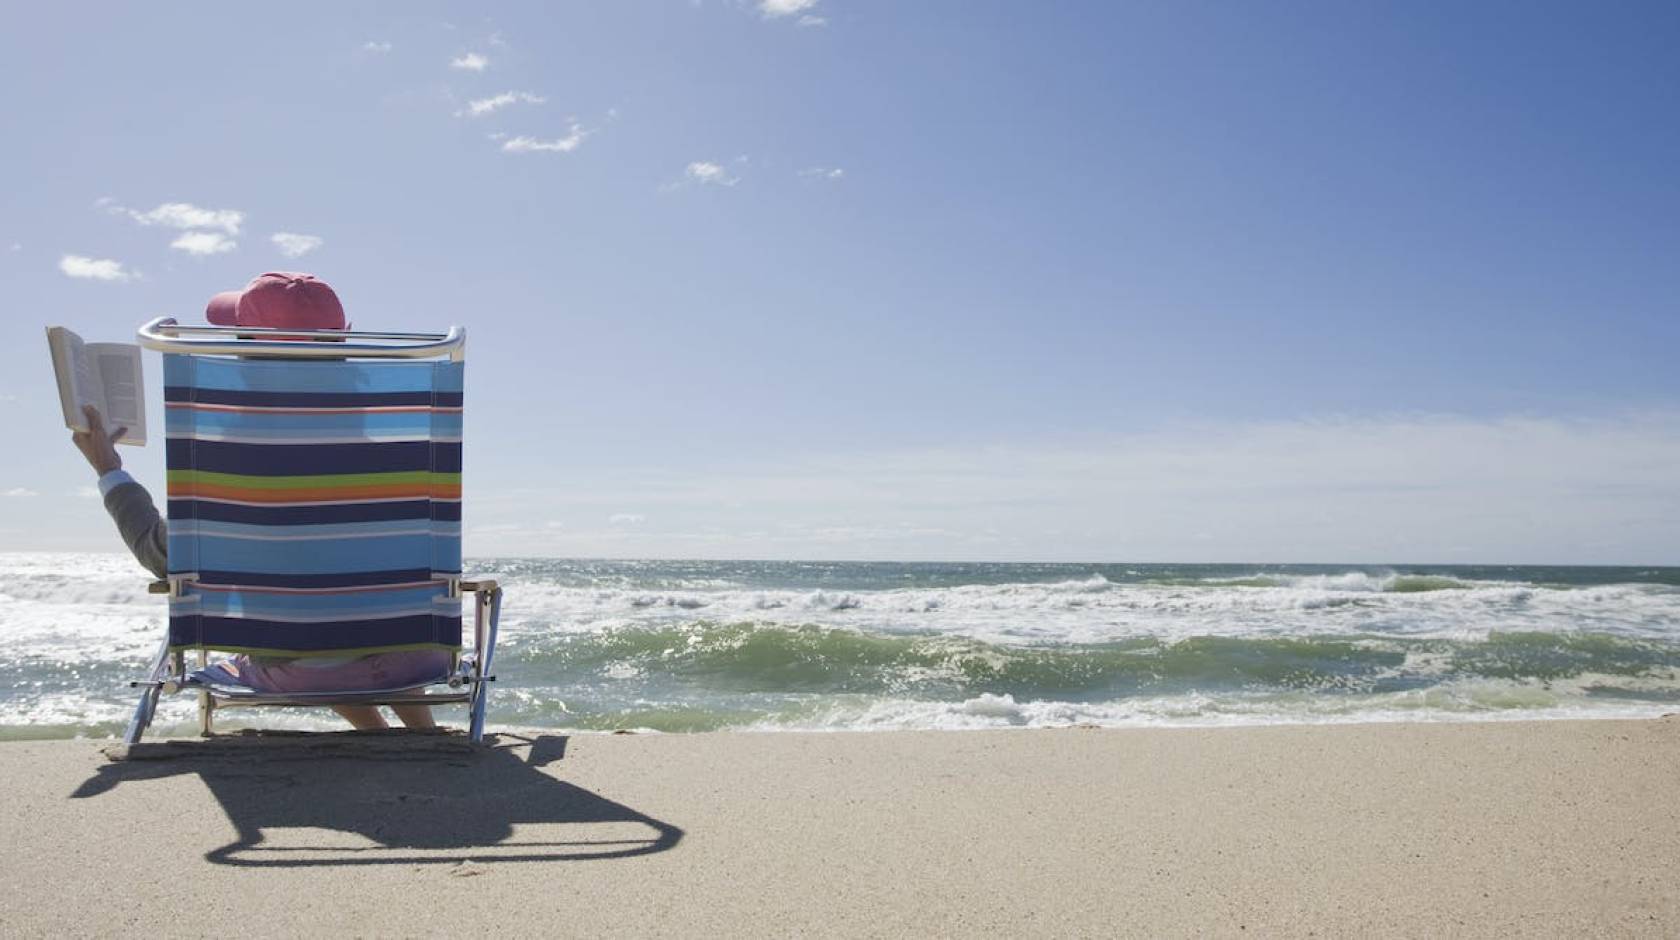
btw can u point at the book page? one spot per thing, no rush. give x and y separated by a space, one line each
124 402
78 384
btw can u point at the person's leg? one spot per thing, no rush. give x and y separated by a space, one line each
418 717
363 717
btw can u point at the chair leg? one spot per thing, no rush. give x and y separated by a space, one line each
143 712
147 706
485 636
480 703
205 705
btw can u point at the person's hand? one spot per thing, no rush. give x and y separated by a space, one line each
96 445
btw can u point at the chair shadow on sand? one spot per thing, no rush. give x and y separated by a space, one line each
392 798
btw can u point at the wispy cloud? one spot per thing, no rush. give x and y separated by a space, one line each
823 172
809 20
774 9
182 215
482 106
203 243
626 518
706 173
376 46
293 245
471 62
19 492
95 269
524 144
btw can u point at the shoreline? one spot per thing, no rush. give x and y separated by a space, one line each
21 734
1471 828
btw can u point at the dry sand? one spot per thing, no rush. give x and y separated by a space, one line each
1532 828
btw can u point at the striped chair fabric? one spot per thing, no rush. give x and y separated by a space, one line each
316 504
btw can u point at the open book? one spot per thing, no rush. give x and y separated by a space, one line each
104 375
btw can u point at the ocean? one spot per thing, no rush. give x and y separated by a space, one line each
680 646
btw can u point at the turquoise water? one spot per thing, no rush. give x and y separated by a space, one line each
692 646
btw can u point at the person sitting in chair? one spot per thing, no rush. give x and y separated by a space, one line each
283 301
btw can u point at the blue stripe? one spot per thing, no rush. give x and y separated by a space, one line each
446 554
184 511
335 579
223 633
339 606
210 528
281 426
311 399
259 375
397 551
287 460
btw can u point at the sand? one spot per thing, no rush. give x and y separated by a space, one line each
1509 828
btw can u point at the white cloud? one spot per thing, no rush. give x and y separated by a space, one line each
87 492
483 106
183 215
706 173
17 246
204 243
471 62
95 269
533 145
497 40
820 172
778 8
373 46
293 245
626 518
19 492
809 20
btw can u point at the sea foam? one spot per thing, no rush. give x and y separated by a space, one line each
680 646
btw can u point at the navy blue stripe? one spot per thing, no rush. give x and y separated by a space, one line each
288 460
183 509
446 512
342 579
235 633
215 396
446 458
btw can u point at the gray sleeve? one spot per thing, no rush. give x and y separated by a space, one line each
143 530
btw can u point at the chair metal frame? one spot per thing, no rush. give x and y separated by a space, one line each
470 672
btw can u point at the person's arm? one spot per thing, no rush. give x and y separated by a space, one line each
142 529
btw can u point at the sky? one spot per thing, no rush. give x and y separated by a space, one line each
969 280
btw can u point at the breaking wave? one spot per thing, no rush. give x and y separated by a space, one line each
684 646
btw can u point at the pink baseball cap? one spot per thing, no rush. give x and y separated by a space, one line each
279 300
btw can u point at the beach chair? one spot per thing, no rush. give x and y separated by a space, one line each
314 510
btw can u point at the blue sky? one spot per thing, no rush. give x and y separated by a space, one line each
1084 281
